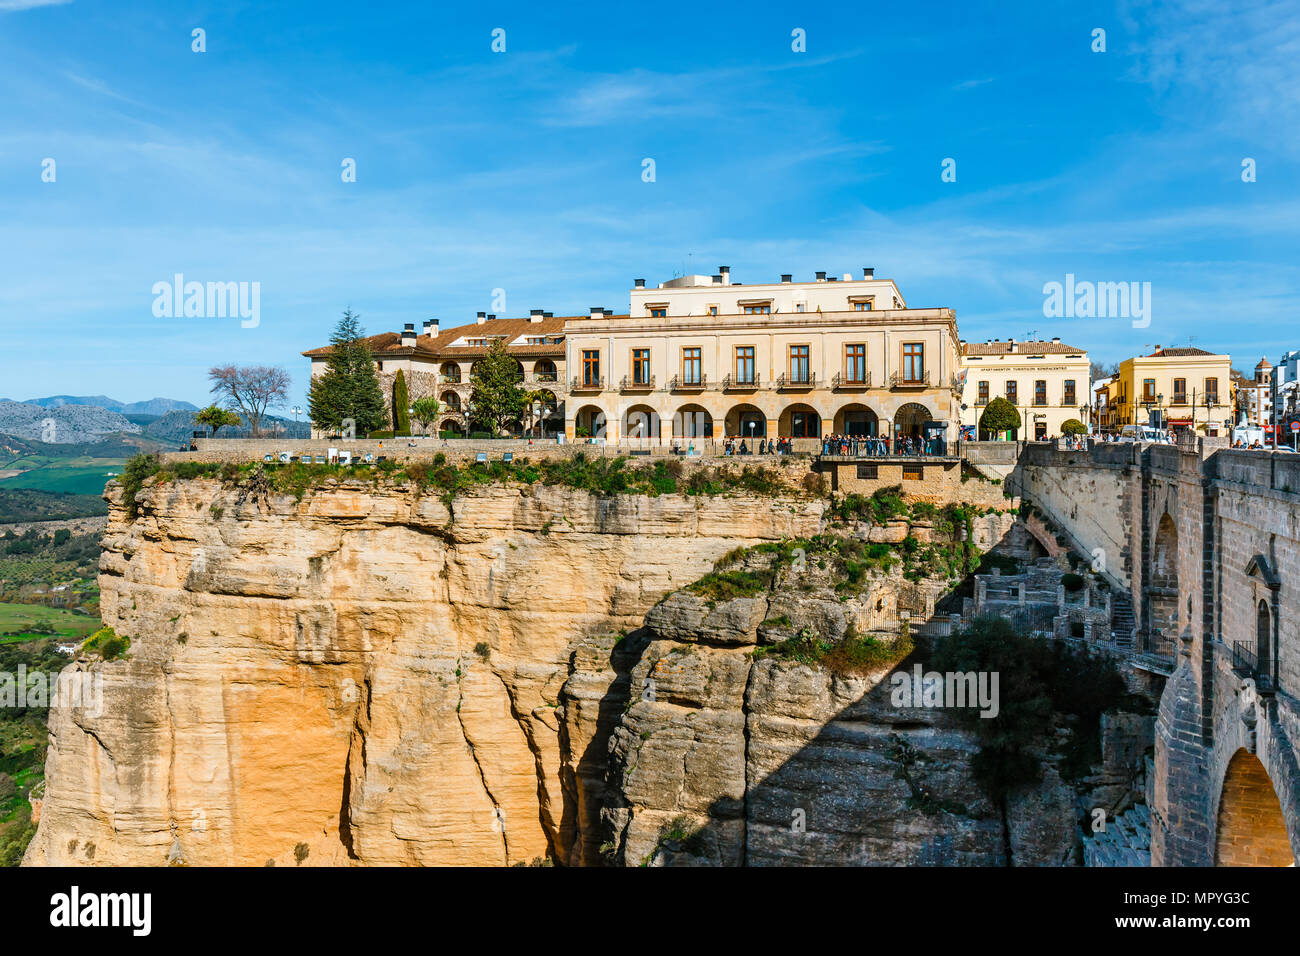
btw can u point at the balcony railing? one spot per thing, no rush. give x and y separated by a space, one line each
840 380
1244 660
680 383
896 380
731 383
589 385
796 381
629 384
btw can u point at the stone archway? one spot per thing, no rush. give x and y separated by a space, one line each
692 421
589 422
800 421
1251 829
909 418
746 421
1162 588
856 419
641 423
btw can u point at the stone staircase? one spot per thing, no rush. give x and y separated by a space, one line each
1122 619
1126 841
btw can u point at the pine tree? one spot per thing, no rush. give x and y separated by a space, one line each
495 391
401 406
349 387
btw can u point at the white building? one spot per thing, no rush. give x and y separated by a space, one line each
1286 390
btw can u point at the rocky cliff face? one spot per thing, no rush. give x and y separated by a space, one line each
358 678
731 752
364 676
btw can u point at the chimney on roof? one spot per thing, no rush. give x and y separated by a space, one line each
430 326
535 315
848 277
408 335
640 283
482 317
787 276
717 279
725 271
1056 340
868 272
549 315
597 312
821 277
832 279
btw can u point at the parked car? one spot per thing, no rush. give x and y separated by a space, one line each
1144 434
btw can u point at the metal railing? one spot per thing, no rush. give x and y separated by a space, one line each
896 380
629 384
730 383
801 381
590 385
840 380
1244 659
679 383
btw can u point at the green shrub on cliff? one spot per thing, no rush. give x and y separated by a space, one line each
1041 682
106 644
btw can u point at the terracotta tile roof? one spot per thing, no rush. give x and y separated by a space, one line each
1174 353
439 346
1022 348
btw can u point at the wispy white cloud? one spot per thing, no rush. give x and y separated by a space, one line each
13 6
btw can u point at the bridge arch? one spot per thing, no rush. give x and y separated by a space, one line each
1251 830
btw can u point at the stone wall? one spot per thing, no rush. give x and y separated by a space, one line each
1206 540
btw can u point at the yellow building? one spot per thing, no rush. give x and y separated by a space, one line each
1048 382
1186 389
706 357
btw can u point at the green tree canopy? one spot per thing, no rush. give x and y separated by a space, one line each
495 390
426 411
349 387
401 406
999 416
216 417
1072 426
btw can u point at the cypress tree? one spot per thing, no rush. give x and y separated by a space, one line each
401 406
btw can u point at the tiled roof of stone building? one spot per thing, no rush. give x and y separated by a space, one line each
515 331
1174 353
1022 348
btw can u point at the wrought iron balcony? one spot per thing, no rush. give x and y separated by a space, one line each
790 382
630 385
842 381
896 380
589 385
679 383
733 384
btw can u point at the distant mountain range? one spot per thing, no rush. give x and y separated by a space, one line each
62 424
154 406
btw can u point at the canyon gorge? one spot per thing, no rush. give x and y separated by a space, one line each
373 674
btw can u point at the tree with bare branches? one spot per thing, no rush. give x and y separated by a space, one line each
250 388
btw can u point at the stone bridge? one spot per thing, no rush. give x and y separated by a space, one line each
1206 541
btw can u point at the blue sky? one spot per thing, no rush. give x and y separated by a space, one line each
522 170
